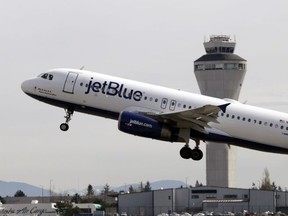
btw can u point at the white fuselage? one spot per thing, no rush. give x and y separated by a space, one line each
108 96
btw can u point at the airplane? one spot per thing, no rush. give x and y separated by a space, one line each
161 113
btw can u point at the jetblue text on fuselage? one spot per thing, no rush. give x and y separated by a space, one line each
113 89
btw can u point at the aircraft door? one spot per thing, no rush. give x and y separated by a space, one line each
70 82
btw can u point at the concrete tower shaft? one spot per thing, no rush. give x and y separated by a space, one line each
220 73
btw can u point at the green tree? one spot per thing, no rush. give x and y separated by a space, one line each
265 182
131 189
198 184
147 187
76 198
66 209
106 189
2 200
19 193
90 190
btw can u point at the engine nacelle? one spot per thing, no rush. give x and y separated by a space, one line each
144 126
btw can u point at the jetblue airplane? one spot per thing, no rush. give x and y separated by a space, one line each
161 113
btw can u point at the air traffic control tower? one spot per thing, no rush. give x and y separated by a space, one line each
220 73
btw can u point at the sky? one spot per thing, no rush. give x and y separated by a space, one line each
150 41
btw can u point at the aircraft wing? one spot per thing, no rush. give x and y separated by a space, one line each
196 119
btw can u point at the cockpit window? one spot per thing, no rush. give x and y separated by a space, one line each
44 76
47 76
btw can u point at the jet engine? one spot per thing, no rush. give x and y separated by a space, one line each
145 126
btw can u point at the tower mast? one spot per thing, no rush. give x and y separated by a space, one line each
220 73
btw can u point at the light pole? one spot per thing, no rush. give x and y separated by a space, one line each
42 192
50 189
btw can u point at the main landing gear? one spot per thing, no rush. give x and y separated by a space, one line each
65 126
196 154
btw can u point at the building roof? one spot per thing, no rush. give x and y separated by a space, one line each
220 57
224 201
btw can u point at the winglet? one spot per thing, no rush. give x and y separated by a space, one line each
223 107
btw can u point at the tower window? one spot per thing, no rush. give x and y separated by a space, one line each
219 66
199 67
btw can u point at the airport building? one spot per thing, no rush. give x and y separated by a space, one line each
220 73
192 200
203 199
35 208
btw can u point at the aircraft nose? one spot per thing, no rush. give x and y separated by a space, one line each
26 86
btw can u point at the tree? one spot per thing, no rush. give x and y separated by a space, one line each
2 200
279 188
141 188
19 193
76 198
106 189
131 189
90 191
66 209
198 184
254 186
147 187
265 182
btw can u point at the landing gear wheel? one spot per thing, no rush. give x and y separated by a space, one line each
185 152
196 154
64 127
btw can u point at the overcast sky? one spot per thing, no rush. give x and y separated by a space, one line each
149 41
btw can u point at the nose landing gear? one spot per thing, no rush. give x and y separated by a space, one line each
65 126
